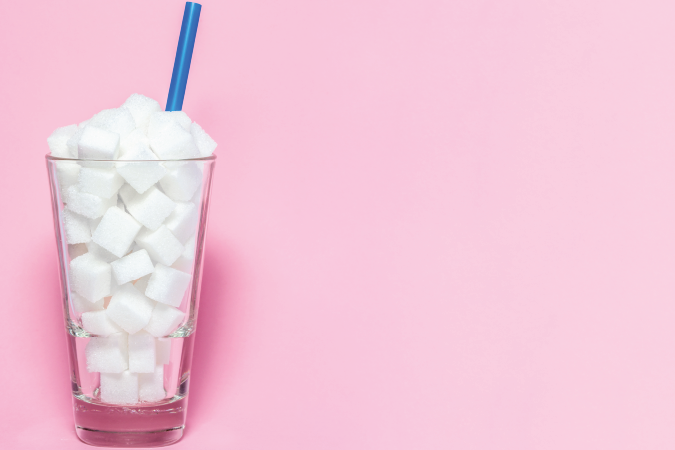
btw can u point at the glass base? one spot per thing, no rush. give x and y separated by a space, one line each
152 425
129 439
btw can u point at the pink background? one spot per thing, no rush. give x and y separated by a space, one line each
436 224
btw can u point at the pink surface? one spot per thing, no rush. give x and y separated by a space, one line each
436 224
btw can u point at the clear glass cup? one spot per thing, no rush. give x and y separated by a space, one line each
130 350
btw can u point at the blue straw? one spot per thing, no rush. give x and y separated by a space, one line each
181 66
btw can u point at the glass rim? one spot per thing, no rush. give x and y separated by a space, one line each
49 157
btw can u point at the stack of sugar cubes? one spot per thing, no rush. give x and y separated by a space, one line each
130 228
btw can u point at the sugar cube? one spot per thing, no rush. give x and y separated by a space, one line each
116 120
130 309
141 175
119 388
162 245
103 183
116 232
88 205
58 139
141 108
97 143
76 250
167 285
101 253
181 183
98 322
107 354
163 346
165 319
160 121
90 277
82 305
149 208
67 173
142 353
76 227
173 142
204 142
131 142
72 142
131 267
183 221
151 385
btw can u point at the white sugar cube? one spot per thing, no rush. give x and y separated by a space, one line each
100 252
132 267
72 142
103 183
82 305
130 309
150 208
76 227
88 205
90 277
98 322
141 108
107 354
116 232
76 250
116 120
181 117
142 353
151 385
131 142
141 175
97 143
165 319
119 388
183 221
160 121
67 173
58 139
161 244
163 346
167 285
205 143
173 142
142 283
181 183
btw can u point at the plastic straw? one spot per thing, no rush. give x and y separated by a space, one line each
181 66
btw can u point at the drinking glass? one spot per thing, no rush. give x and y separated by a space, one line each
112 404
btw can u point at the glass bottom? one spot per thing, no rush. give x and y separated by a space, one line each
130 426
129 439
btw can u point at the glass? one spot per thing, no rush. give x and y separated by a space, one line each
130 350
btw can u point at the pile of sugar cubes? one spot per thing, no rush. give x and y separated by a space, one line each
130 228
